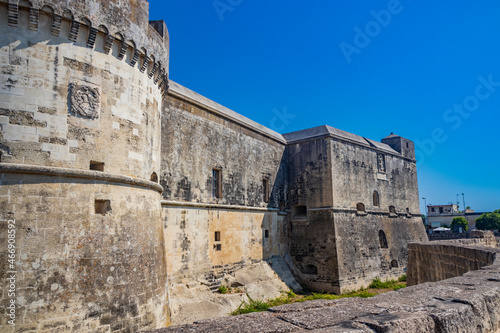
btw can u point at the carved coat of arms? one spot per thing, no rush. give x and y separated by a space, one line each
85 101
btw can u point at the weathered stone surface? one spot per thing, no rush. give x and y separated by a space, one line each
256 322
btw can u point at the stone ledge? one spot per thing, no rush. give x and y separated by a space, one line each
216 206
75 173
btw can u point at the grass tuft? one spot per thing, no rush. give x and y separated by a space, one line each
288 297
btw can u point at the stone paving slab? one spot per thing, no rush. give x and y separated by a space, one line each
263 322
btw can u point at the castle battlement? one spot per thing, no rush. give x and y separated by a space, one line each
121 29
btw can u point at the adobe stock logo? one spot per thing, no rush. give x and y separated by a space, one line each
455 117
223 6
363 37
281 119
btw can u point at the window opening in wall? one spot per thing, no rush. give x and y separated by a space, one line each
394 263
266 233
299 212
440 210
383 239
97 166
218 247
154 177
265 189
217 183
310 269
102 206
360 207
392 210
376 199
217 236
407 145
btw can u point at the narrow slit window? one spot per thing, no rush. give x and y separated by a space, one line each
96 166
383 240
266 233
217 236
265 189
217 183
376 199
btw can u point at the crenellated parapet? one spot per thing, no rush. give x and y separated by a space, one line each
118 28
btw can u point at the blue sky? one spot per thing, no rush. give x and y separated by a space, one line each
429 72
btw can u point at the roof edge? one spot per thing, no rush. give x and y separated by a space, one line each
188 95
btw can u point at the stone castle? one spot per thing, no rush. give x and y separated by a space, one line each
121 182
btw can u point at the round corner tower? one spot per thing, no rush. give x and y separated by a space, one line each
81 90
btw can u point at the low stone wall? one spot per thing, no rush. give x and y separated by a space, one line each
436 261
467 303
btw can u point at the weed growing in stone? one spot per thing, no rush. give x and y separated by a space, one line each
375 288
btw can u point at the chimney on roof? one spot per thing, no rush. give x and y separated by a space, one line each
403 146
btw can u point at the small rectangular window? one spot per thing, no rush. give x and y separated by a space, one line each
217 183
102 206
266 233
265 189
97 166
217 236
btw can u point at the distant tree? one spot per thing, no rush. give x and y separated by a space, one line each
489 221
459 222
424 219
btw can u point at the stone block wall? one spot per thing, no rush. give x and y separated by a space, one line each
436 261
62 103
78 269
245 235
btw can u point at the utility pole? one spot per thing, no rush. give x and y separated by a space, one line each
426 217
463 197
458 203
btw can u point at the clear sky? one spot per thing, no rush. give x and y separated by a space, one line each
429 72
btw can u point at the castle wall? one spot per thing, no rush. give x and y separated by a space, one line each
361 256
77 95
39 122
336 245
357 175
192 249
77 270
197 137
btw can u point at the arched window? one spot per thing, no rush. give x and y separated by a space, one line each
376 199
383 240
154 177
360 207
394 263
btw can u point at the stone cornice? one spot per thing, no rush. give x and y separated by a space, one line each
76 173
